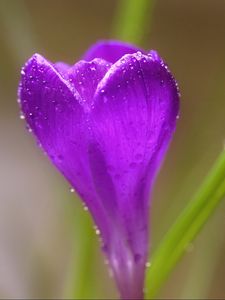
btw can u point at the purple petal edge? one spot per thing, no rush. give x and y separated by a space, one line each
109 50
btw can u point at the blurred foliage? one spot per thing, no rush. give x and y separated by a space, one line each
131 19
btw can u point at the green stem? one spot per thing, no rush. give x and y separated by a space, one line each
187 226
80 277
131 20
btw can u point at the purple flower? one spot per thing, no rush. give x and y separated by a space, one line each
106 123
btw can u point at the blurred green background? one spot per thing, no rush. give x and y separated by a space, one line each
45 234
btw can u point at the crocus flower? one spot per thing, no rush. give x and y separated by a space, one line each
106 123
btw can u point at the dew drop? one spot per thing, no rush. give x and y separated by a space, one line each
39 145
22 117
58 108
85 207
148 264
72 190
97 231
29 129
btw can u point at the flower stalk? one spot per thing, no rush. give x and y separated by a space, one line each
186 228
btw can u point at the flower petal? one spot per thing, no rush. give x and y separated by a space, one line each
110 50
55 112
85 76
134 116
62 68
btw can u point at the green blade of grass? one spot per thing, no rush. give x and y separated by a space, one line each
79 282
187 226
131 20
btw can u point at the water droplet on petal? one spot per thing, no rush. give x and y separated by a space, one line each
97 231
139 54
85 207
28 128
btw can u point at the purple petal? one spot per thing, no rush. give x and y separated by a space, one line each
110 51
85 76
55 112
134 116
